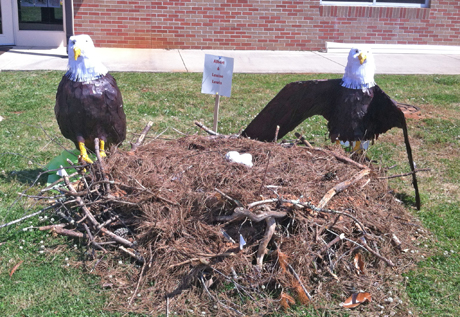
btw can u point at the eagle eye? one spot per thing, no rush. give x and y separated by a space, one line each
356 51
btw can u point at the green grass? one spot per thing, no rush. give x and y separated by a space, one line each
44 285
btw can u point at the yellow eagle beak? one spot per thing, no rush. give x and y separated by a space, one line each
362 57
77 52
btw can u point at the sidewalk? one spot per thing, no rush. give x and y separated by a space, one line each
159 60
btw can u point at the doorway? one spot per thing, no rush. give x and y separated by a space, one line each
6 23
33 23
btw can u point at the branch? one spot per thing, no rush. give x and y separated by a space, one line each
303 140
271 226
339 157
406 174
206 129
141 138
342 186
240 213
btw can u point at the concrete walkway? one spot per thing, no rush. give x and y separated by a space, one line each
159 60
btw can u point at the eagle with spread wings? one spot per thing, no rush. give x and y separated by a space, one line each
89 104
356 108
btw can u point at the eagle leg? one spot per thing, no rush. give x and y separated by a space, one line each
83 153
101 148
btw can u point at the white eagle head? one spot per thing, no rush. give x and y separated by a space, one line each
360 69
83 65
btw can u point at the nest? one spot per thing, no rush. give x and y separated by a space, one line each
300 228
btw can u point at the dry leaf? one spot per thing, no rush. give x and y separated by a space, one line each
303 298
15 268
359 263
356 299
286 300
282 258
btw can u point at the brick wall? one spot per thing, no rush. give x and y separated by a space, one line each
261 24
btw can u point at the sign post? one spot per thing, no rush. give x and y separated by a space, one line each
217 80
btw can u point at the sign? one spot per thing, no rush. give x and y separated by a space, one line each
217 75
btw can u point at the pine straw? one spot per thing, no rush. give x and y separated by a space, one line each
190 267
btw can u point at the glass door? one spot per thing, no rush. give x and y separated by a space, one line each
6 23
39 23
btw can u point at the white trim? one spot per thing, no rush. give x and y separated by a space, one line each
332 47
7 37
375 4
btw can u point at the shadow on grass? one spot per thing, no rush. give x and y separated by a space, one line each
407 200
26 177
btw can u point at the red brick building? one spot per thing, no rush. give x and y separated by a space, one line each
261 24
265 24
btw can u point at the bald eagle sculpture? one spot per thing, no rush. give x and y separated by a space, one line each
355 107
89 104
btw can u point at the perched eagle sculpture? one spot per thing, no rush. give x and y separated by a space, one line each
89 104
355 107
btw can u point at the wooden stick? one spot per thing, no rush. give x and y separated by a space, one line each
339 157
135 256
141 137
300 281
276 134
137 286
240 213
27 216
206 129
342 186
100 163
406 174
271 226
303 140
387 261
265 173
216 111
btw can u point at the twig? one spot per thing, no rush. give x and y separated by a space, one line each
339 157
229 198
299 280
202 260
137 286
276 133
303 140
266 169
387 261
141 138
27 217
91 239
240 213
216 299
271 226
406 174
342 186
135 256
93 220
263 202
206 129
100 163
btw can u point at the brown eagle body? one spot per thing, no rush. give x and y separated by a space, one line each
89 110
352 114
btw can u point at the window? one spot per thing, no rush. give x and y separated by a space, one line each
386 3
40 15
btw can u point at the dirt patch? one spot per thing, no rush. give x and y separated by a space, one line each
176 200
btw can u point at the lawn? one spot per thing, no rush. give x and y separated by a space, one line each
53 280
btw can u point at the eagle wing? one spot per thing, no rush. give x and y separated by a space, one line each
382 115
296 102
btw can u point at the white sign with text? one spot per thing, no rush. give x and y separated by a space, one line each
217 75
